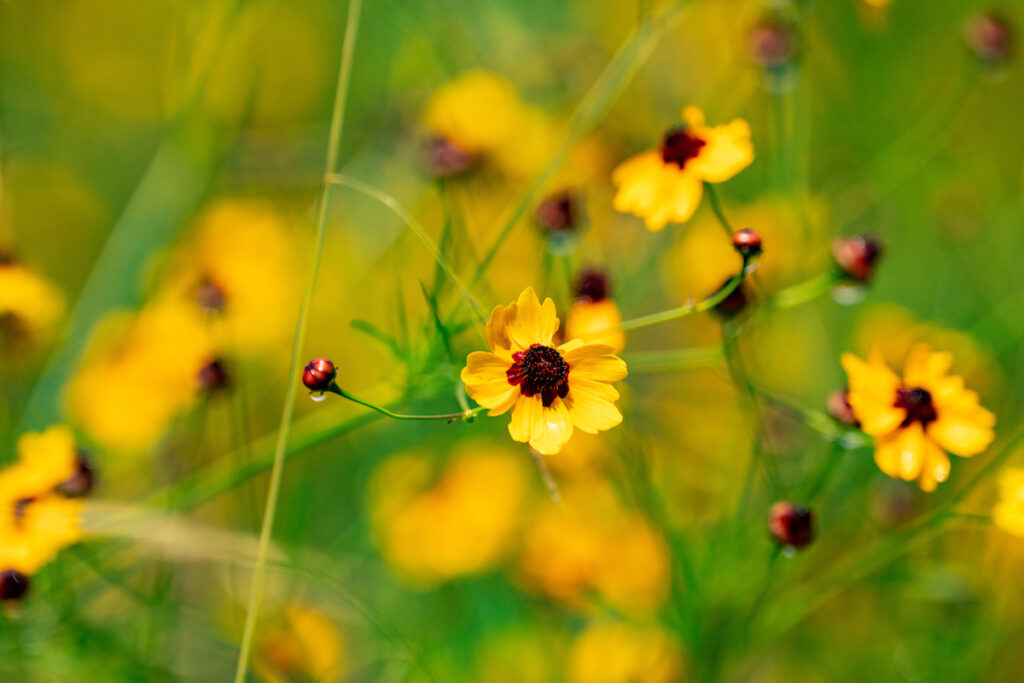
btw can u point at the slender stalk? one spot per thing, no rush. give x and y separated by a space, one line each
805 291
266 531
451 417
716 206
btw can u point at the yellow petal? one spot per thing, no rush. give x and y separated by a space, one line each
964 433
533 323
935 468
727 152
590 406
497 332
596 362
487 383
553 429
693 116
902 453
659 193
872 394
925 368
525 414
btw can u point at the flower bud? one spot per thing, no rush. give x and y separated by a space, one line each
13 584
790 524
989 36
838 406
746 242
82 482
319 374
592 285
213 376
857 256
772 44
735 303
210 297
558 212
444 158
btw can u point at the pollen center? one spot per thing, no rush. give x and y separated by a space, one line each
918 404
679 146
540 370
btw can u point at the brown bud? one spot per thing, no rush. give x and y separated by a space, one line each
210 297
13 584
319 374
735 303
213 376
989 36
838 406
558 212
82 482
790 524
746 242
857 256
772 44
592 285
444 158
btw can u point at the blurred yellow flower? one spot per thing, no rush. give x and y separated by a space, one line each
550 390
613 652
304 644
665 185
1008 513
463 522
36 521
915 418
588 543
594 316
138 372
30 306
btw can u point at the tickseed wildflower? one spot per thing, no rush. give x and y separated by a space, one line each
550 390
594 316
38 517
30 306
301 643
619 652
1008 513
917 418
665 185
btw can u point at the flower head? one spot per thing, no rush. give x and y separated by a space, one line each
1008 514
30 306
917 418
550 390
665 185
594 316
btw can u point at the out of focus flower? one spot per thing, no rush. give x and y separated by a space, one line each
242 265
790 524
550 390
302 644
914 419
462 521
559 212
30 306
990 37
1008 513
772 43
665 185
838 406
139 372
36 520
590 542
615 652
857 256
520 656
594 316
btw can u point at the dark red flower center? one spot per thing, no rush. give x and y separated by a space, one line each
540 370
679 146
918 404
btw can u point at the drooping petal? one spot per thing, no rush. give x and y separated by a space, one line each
553 429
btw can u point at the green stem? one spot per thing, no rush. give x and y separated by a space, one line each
805 291
266 531
716 206
468 414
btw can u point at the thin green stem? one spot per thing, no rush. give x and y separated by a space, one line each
805 291
266 531
716 206
451 417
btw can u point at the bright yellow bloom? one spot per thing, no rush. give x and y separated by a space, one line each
550 390
665 185
477 111
35 521
30 306
597 322
303 644
1008 513
462 523
613 652
914 420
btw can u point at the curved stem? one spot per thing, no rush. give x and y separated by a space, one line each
451 417
716 206
270 511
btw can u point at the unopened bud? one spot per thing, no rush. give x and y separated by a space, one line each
82 482
213 376
838 406
989 36
319 375
746 242
790 524
734 303
13 584
857 256
558 212
592 285
772 44
443 158
210 297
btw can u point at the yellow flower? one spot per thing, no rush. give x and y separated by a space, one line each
914 420
1008 513
477 111
35 521
665 185
304 644
613 652
462 523
550 390
30 306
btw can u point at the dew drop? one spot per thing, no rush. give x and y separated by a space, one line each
317 398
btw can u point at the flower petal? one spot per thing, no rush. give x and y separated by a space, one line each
935 469
533 323
963 432
902 453
525 414
553 429
590 406
596 362
926 368
727 151
872 394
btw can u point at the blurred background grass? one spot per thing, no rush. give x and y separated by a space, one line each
124 126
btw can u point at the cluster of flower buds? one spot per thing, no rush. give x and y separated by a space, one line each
319 374
790 524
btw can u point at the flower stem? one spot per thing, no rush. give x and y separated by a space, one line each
716 206
467 414
805 291
270 511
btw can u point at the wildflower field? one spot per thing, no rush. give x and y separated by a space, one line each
511 341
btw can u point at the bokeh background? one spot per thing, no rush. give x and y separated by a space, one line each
160 167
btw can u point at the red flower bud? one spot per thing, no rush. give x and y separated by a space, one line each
989 36
13 584
444 158
857 256
592 285
838 406
771 44
559 212
319 374
213 376
791 524
746 242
